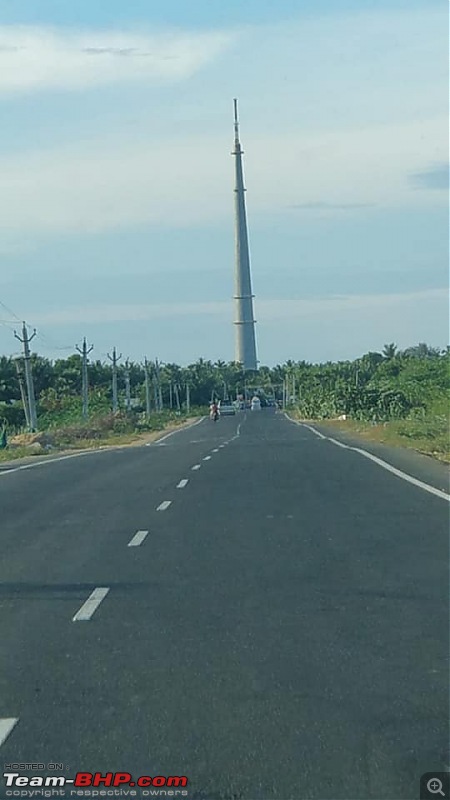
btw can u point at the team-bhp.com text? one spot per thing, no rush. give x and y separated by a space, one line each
115 781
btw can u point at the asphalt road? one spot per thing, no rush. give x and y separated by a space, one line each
277 631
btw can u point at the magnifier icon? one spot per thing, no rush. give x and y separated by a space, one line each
434 786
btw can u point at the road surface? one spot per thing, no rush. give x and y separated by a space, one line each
247 604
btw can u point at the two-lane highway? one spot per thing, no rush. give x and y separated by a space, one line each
247 604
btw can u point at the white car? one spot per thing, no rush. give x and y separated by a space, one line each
226 410
256 404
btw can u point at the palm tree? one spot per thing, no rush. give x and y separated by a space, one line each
390 350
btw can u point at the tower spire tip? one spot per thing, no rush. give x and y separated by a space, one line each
236 120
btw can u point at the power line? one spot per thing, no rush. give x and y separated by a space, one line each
46 339
17 319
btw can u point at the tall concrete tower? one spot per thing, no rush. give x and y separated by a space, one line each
245 341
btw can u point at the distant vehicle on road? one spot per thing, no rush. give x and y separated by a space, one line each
256 404
226 409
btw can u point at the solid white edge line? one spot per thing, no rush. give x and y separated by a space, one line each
196 466
164 505
381 463
6 726
55 460
137 539
182 483
304 425
404 475
339 444
90 452
178 430
90 606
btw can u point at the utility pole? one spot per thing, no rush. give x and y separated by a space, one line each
158 380
23 394
114 358
293 389
84 375
170 395
127 386
177 397
188 398
147 391
155 392
29 375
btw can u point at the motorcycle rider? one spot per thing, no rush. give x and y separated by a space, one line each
214 410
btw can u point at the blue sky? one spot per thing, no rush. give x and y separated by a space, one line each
116 204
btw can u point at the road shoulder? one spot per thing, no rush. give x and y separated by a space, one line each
424 468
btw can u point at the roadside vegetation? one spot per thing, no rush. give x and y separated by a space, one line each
399 397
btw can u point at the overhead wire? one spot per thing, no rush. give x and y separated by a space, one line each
10 311
44 338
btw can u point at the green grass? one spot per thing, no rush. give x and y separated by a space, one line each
429 436
106 430
16 452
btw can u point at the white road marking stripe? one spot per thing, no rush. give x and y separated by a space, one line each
409 478
164 505
182 483
339 444
92 451
172 433
6 726
207 458
55 460
239 429
304 425
196 466
221 445
216 450
385 465
137 539
90 606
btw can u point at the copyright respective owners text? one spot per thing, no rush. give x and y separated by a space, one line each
42 784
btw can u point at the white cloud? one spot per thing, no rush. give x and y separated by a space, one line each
330 308
46 58
101 185
102 314
320 328
337 111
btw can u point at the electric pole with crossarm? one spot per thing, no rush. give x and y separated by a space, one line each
32 415
115 400
84 376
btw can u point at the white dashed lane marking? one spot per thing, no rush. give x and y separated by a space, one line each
6 726
164 505
216 450
207 458
196 466
90 606
137 539
182 483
